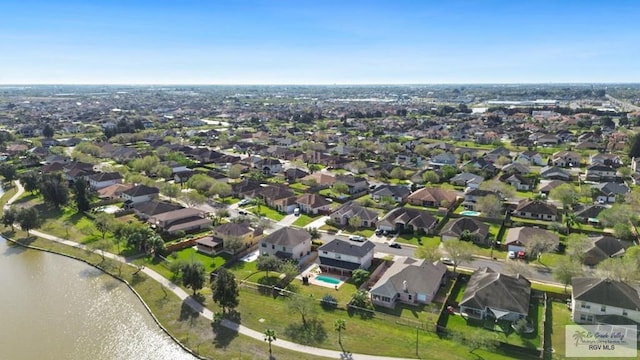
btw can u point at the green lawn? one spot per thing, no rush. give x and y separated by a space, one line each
369 336
561 316
267 212
430 240
229 200
502 330
299 187
210 262
304 220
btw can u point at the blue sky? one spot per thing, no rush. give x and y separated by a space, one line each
318 42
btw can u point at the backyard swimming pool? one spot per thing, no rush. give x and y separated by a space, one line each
328 280
470 213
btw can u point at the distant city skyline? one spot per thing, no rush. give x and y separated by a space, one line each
250 42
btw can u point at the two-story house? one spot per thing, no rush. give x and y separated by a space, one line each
286 243
409 281
102 180
139 193
566 159
269 166
343 256
599 172
603 301
187 219
531 157
609 191
242 232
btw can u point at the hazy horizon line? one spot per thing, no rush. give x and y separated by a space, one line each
318 84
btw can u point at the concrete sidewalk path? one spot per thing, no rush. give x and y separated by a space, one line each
206 313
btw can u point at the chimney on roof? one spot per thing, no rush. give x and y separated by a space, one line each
404 285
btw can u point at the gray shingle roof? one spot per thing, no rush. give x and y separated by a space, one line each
489 289
605 292
357 249
287 237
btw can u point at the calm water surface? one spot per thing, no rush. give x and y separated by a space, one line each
53 307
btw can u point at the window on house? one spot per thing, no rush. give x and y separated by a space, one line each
324 252
409 297
603 308
624 312
273 247
585 305
338 256
264 245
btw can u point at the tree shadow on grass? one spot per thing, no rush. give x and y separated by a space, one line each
222 334
188 314
311 333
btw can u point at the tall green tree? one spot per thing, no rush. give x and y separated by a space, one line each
303 305
28 219
566 269
81 195
9 217
54 190
268 263
458 251
193 276
9 172
104 223
47 131
30 181
225 290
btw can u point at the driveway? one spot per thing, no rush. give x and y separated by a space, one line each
317 223
288 220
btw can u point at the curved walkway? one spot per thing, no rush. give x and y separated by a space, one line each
203 311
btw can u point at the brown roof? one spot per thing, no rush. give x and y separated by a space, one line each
434 195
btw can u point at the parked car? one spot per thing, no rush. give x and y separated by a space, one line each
244 202
395 245
357 238
511 255
447 261
379 232
242 212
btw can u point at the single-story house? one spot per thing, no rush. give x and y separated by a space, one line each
492 295
409 281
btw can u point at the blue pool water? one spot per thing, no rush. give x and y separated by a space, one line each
328 279
470 213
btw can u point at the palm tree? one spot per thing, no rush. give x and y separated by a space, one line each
270 336
571 219
340 325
